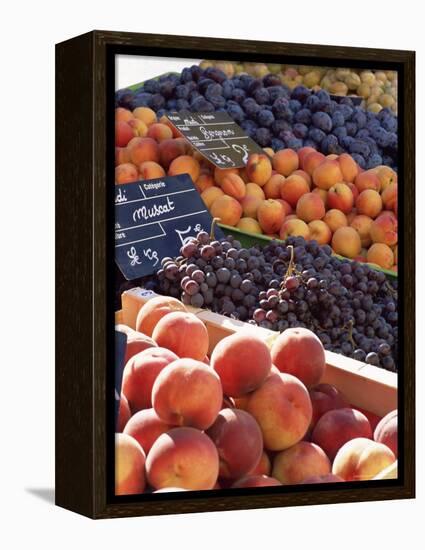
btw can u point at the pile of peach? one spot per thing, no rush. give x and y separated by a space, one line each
248 416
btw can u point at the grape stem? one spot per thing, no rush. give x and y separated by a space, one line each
291 265
350 332
213 224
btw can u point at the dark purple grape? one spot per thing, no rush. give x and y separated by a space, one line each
198 276
191 287
197 300
188 250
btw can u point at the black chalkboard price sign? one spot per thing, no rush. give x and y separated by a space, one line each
153 219
216 136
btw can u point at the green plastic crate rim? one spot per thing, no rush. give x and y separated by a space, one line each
251 239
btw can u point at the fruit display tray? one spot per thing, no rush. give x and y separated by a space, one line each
371 388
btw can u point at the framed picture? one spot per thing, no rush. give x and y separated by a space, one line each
235 310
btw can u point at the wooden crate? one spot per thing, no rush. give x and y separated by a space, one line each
365 386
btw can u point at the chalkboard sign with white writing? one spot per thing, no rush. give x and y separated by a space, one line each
120 348
216 136
153 219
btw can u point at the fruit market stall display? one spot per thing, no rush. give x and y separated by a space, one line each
199 388
377 88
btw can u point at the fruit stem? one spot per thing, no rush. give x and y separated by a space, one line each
291 262
213 223
350 333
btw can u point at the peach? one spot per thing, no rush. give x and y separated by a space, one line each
386 431
373 418
159 132
327 174
205 181
361 459
221 173
298 351
327 478
338 426
381 255
389 197
142 149
249 225
264 466
256 481
183 457
282 408
129 466
340 197
210 194
285 161
349 167
123 115
150 170
234 430
123 133
294 228
242 362
324 398
137 342
250 206
145 427
154 310
254 190
234 186
126 173
300 462
320 232
270 215
140 373
187 393
145 114
310 207
346 241
185 165
369 203
367 180
384 229
122 156
272 187
293 188
335 219
362 225
227 209
312 161
169 149
124 414
259 168
302 155
183 333
139 127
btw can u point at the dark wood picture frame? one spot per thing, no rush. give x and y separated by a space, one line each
84 284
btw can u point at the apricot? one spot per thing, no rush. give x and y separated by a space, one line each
150 170
185 165
142 149
304 175
159 132
272 187
154 310
137 342
389 197
221 173
124 414
286 206
361 459
354 189
298 351
349 167
205 181
346 241
335 219
302 155
294 228
369 203
169 149
324 398
122 156
234 186
250 206
381 255
327 174
126 173
367 180
183 333
386 176
256 481
145 427
300 462
282 408
312 161
242 362
233 430
140 373
210 194
227 209
384 229
386 432
310 207
123 115
292 189
139 127
129 466
183 457
338 426
270 215
176 133
254 190
362 225
320 232
123 133
285 161
323 194
259 168
340 197
145 114
187 393
249 225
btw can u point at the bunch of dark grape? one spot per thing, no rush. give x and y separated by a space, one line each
351 307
